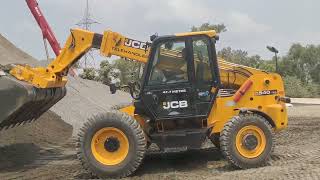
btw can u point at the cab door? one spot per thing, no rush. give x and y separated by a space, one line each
168 91
180 79
206 74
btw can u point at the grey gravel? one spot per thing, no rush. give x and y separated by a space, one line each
9 54
86 98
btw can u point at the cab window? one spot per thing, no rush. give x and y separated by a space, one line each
201 60
169 63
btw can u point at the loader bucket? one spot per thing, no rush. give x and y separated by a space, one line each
20 102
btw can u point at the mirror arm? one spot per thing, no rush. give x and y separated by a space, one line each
113 89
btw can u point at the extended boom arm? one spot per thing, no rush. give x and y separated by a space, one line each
79 43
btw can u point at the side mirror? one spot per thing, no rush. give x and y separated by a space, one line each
134 88
113 88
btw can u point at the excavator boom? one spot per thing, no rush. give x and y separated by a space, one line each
77 45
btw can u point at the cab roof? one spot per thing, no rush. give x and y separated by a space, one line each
211 33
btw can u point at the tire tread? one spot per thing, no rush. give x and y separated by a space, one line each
125 119
227 132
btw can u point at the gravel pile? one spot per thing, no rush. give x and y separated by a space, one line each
86 98
9 53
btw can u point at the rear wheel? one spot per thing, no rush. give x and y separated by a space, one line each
111 145
247 141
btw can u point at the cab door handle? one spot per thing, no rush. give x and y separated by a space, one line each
155 99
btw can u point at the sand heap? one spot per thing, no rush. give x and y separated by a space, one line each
9 53
86 98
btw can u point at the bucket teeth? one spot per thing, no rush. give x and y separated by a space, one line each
29 103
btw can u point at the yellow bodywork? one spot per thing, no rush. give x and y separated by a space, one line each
130 111
116 44
225 108
54 75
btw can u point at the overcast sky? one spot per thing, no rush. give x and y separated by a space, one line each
251 24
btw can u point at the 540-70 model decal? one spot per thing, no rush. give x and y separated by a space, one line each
266 92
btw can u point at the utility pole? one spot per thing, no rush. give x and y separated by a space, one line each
86 22
275 51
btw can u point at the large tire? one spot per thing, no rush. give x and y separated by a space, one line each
247 141
103 129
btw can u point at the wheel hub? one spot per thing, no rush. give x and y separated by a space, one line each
250 141
112 144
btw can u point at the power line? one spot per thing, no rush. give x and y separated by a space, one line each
86 22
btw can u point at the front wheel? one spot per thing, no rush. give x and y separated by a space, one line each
111 145
247 141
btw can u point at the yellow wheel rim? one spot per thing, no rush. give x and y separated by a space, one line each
110 146
244 144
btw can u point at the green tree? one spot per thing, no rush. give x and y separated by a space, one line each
294 87
219 28
88 73
268 66
104 72
129 70
302 62
241 57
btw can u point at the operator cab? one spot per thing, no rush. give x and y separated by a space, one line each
181 79
179 87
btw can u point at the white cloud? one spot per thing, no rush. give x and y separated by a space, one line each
242 23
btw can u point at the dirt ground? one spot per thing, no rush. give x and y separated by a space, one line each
51 155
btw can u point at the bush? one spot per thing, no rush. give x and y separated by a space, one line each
88 73
296 89
314 90
104 73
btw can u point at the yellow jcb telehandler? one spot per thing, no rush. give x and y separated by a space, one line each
186 94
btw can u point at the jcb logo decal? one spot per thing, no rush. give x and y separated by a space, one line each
135 44
175 104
